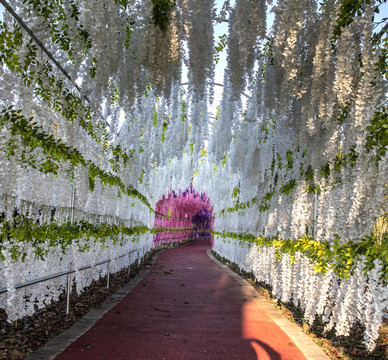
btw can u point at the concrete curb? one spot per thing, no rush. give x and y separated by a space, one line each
309 349
58 344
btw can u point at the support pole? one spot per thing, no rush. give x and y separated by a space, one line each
72 203
108 275
68 293
314 213
69 274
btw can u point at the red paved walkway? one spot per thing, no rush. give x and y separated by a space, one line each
186 308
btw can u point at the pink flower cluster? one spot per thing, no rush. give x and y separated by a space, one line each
186 210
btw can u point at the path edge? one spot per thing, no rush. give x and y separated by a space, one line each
308 347
58 344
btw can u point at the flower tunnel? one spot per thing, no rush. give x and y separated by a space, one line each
121 130
183 215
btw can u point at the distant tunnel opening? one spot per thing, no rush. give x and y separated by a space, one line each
183 215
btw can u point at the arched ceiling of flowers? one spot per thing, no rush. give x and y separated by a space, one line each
96 126
318 73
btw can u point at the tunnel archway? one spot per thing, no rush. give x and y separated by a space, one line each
183 215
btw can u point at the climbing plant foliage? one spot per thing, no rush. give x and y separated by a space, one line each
96 127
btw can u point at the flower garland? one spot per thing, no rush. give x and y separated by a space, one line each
303 159
342 301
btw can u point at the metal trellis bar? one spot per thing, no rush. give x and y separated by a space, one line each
69 272
44 49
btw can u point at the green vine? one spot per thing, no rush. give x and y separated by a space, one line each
161 10
52 91
377 136
55 16
22 229
347 12
331 168
337 255
288 187
219 47
33 136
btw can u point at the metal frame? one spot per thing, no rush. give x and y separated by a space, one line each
70 272
45 50
63 273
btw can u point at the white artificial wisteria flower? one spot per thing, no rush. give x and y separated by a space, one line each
342 302
100 140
